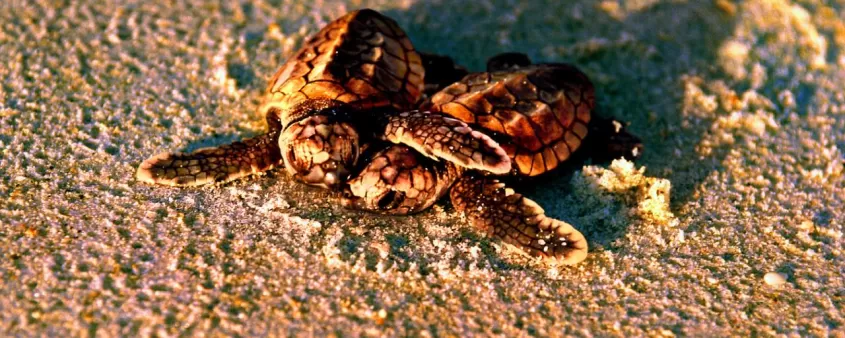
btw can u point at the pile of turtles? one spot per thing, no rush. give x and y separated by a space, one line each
358 111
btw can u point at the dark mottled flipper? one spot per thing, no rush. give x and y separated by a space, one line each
440 71
398 180
507 61
438 136
212 165
609 139
519 221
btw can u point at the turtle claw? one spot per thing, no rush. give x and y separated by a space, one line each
516 220
438 136
211 165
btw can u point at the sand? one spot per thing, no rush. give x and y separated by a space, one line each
730 223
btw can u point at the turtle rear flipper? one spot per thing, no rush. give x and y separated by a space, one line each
438 136
609 139
440 71
519 221
507 61
212 165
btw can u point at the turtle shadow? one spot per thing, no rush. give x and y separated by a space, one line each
638 62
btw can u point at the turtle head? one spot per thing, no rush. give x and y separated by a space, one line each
398 181
320 150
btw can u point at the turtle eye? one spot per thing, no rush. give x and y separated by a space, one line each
391 200
331 179
291 156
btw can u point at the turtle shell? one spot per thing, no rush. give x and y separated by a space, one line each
538 113
363 59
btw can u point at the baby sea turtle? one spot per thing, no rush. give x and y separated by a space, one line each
540 114
337 94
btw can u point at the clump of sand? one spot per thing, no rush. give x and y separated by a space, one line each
621 192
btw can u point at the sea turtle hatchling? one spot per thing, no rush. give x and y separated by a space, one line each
338 92
540 114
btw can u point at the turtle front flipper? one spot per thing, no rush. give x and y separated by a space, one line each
212 165
517 220
438 136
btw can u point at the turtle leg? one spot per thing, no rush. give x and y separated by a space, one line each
397 180
519 221
212 165
438 136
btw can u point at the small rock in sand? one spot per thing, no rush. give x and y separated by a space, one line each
775 278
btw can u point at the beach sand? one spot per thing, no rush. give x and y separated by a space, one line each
730 223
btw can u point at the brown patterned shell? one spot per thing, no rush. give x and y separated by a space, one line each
363 59
538 113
